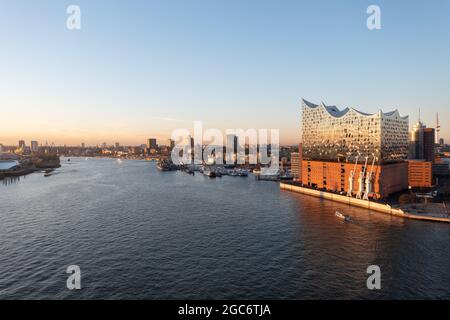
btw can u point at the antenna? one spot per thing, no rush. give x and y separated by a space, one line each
438 126
419 114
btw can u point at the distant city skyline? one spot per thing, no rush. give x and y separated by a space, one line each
142 69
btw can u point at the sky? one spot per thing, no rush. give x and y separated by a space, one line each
140 69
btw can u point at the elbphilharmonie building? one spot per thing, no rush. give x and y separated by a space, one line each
353 152
341 135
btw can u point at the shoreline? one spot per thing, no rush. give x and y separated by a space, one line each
367 204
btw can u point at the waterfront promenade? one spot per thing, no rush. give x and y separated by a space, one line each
371 205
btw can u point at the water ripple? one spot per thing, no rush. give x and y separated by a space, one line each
138 233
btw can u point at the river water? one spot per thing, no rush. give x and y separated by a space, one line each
137 233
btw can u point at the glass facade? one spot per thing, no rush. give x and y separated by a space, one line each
331 134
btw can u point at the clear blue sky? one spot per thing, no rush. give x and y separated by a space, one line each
142 68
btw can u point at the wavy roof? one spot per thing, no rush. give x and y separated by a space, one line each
335 112
7 165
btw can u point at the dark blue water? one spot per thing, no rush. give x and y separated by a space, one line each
139 233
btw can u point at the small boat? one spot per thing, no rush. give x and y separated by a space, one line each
47 174
209 173
268 174
343 217
287 175
243 173
256 171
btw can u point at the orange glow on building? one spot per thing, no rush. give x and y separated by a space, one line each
420 174
335 176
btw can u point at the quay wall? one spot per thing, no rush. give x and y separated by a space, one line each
371 205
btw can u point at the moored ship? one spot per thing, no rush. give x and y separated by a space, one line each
166 165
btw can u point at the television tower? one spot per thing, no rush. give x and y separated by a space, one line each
438 126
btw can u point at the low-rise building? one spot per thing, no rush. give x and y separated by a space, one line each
336 176
420 174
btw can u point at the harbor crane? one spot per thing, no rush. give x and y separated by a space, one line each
352 177
360 193
369 177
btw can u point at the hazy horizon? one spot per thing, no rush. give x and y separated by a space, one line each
140 70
